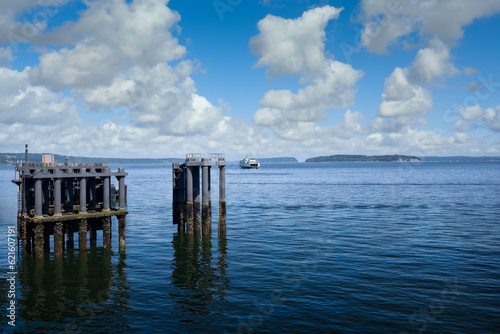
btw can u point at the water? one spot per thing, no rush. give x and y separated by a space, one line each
327 248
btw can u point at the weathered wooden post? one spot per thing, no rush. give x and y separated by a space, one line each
38 239
178 196
189 201
106 232
222 199
206 218
58 238
196 199
82 236
121 232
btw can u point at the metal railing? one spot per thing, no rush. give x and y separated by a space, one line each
63 164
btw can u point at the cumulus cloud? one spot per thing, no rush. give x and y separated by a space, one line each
106 40
491 118
293 46
27 104
296 47
14 30
474 116
33 114
432 62
402 98
117 56
387 21
405 92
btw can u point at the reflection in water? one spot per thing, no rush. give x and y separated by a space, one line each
199 277
75 292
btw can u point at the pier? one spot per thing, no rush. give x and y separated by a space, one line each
189 214
62 199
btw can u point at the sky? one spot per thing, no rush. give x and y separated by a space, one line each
268 78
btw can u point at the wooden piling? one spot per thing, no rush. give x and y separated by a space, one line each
186 193
222 200
121 232
196 200
82 236
38 240
189 201
106 232
58 238
68 198
206 218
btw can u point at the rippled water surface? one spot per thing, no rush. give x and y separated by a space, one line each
326 248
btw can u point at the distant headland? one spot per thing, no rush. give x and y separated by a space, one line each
12 158
365 158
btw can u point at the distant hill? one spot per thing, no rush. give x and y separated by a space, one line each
282 159
12 158
365 158
461 159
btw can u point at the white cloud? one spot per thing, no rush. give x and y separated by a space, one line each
470 113
293 46
474 116
12 30
491 119
432 62
6 54
27 104
116 56
387 21
110 36
401 98
296 47
405 94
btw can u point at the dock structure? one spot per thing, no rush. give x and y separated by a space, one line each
66 198
189 214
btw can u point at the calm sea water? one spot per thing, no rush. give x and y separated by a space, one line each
323 248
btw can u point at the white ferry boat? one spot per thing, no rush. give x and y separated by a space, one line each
249 163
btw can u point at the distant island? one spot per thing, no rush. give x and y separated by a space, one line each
365 158
12 158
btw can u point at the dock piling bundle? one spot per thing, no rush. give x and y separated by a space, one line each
64 198
186 193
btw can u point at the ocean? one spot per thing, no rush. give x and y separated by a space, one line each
309 248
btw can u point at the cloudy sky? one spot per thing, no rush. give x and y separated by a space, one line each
159 78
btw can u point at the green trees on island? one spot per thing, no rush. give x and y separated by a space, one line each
365 158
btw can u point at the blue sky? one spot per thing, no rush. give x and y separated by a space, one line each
157 78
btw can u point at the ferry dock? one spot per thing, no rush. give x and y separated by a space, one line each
186 193
61 199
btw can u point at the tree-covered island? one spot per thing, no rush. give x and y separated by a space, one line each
365 158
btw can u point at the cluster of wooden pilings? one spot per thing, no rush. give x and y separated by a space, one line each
186 194
63 199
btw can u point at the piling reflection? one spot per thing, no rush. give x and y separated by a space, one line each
79 292
199 273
